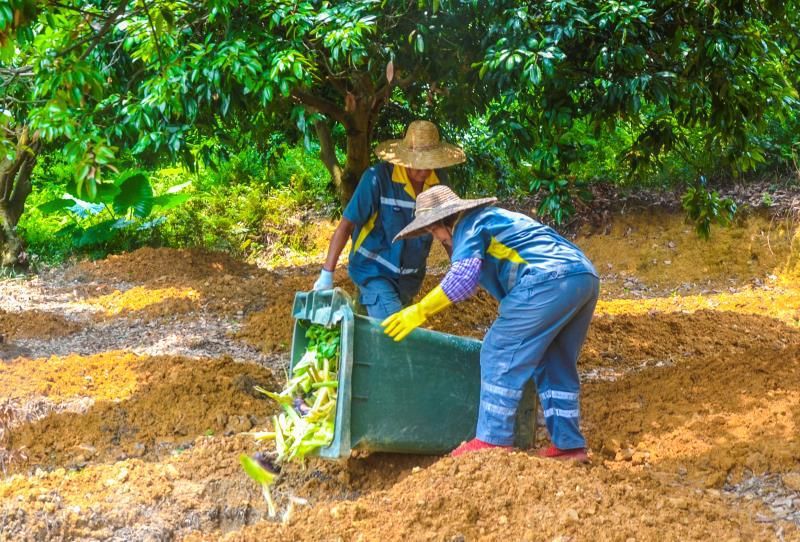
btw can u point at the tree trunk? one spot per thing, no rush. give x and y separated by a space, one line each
358 118
359 139
10 243
15 186
358 127
327 153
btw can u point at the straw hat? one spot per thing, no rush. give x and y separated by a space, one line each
435 204
421 148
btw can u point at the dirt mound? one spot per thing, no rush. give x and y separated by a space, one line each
629 340
147 265
149 302
174 400
270 329
321 480
33 324
173 282
178 282
501 496
103 377
726 404
661 250
774 301
201 488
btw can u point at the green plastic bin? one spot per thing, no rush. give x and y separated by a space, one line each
417 396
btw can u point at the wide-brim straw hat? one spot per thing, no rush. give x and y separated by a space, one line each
435 204
421 148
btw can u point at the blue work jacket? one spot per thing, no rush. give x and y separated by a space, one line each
382 205
513 245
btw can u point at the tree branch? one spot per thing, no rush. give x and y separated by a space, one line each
155 34
324 106
327 151
98 14
24 70
107 26
336 80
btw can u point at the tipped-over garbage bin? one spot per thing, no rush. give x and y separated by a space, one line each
417 396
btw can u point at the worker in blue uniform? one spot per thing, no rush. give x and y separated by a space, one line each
389 275
547 290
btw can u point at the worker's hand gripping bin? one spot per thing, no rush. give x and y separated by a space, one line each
417 396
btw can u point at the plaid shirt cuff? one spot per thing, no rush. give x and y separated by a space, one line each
461 280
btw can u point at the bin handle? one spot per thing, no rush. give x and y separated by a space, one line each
325 307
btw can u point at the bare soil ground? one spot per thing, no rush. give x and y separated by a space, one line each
126 396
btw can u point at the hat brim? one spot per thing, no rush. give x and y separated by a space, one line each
442 155
418 225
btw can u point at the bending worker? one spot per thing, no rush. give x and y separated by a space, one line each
389 275
547 290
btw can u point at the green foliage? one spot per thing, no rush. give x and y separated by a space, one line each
636 92
666 68
558 197
119 217
252 208
704 207
133 193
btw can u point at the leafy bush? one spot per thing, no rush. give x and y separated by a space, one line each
252 215
705 207
121 216
243 204
559 195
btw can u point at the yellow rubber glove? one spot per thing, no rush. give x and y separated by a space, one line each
403 322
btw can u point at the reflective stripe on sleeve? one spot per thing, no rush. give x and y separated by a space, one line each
513 270
384 262
394 202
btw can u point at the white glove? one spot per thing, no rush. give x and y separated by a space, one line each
325 280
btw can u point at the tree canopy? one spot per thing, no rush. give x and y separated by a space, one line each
107 81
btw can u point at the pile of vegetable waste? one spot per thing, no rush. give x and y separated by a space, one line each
309 410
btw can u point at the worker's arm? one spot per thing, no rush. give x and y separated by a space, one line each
460 283
339 239
407 320
358 211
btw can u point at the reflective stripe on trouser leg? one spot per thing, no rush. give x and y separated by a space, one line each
497 413
556 376
538 334
562 415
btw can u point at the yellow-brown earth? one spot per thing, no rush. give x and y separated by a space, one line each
692 372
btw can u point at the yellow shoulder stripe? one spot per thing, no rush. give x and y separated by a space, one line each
365 231
503 252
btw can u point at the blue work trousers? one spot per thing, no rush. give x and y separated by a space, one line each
381 298
538 334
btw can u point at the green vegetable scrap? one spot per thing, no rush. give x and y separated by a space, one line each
309 408
256 470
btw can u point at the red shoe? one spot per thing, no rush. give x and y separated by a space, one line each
573 454
476 445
